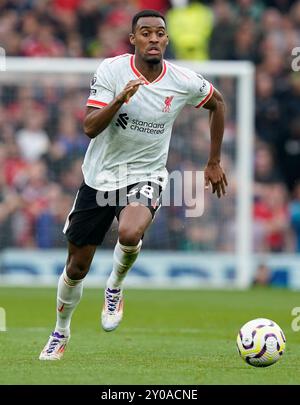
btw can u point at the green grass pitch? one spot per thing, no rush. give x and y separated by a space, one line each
166 337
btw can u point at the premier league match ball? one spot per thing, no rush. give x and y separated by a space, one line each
261 342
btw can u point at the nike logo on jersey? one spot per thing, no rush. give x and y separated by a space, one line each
122 120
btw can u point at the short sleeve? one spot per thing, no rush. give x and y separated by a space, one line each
201 90
101 88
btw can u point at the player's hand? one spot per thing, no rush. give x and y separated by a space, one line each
130 89
213 174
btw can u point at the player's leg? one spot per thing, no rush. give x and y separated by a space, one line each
133 222
134 219
85 229
70 284
69 292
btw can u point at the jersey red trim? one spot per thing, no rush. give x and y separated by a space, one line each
139 74
95 103
172 66
211 90
118 57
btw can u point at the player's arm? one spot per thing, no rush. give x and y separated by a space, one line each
213 171
97 119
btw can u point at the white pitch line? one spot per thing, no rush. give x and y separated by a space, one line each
33 329
135 330
161 330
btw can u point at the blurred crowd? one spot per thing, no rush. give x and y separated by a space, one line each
42 143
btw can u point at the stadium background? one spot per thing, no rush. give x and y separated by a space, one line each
42 143
168 337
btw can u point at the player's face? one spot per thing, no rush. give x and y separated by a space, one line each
150 39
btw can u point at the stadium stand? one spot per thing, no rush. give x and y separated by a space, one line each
41 137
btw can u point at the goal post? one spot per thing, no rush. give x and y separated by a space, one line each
19 69
244 72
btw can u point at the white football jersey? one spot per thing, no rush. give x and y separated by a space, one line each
134 147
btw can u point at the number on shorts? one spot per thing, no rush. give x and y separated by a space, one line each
146 190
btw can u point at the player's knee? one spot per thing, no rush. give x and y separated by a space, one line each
76 269
130 236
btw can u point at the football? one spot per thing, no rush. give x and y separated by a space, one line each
261 342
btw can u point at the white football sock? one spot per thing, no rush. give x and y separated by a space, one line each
69 293
124 257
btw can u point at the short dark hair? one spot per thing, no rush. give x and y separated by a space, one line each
145 13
